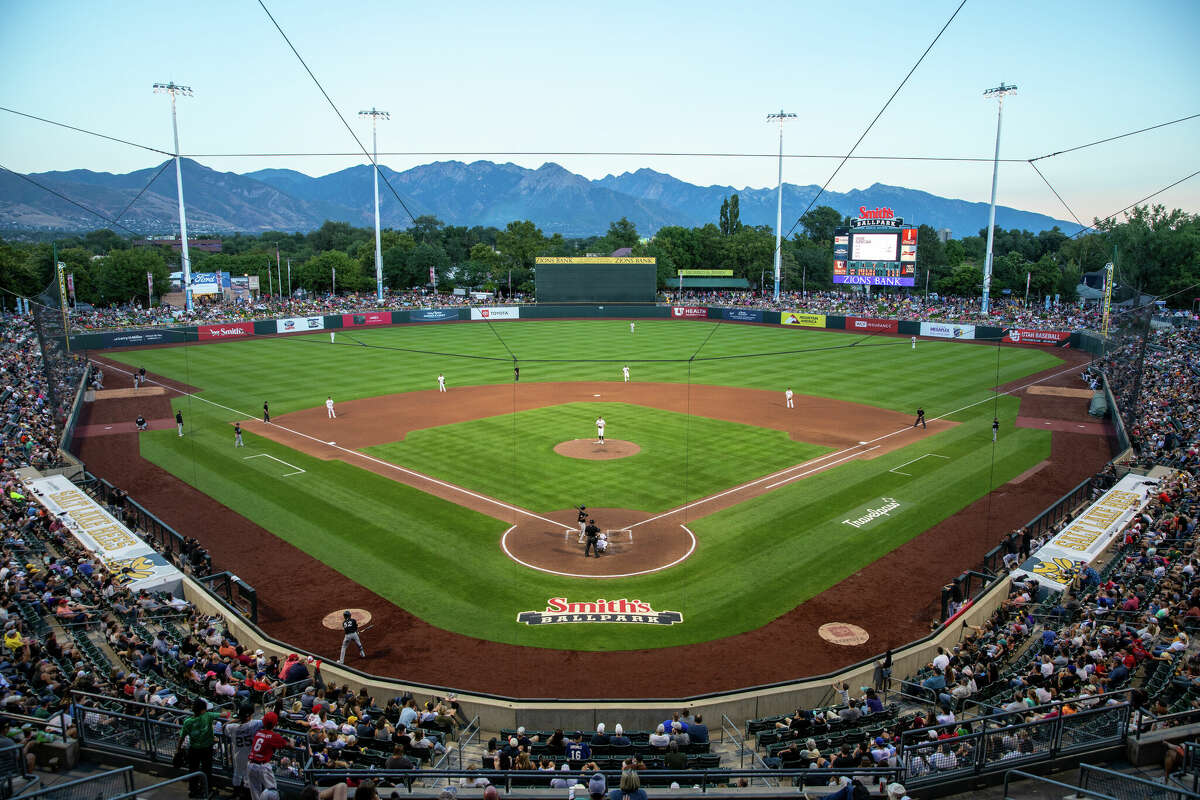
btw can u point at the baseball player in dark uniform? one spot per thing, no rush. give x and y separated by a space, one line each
140 422
920 418
516 374
179 422
995 427
350 634
593 533
237 435
266 412
582 523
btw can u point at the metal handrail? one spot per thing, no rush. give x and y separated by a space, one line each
1040 779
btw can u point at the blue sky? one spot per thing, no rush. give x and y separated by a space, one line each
466 77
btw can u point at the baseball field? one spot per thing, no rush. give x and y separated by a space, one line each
729 508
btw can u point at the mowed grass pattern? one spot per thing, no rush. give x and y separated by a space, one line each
682 458
443 563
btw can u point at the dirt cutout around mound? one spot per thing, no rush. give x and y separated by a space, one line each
592 450
892 598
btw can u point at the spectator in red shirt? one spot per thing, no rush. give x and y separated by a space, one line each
259 773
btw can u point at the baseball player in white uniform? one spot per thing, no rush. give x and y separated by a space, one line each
914 342
625 372
787 395
329 407
600 423
631 327
241 736
441 382
332 336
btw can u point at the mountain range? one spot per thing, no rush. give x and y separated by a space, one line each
457 193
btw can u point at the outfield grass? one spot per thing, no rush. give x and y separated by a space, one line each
443 563
537 478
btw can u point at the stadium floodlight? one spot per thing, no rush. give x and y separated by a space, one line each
782 117
171 88
998 94
376 115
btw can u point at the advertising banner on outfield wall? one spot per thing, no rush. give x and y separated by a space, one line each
1030 336
130 338
689 312
866 325
806 320
496 312
1055 563
742 314
230 330
947 330
432 314
297 324
366 318
136 563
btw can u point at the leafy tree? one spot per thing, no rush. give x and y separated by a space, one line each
17 273
812 265
316 274
482 268
954 252
425 228
731 216
121 275
103 241
336 236
424 256
819 224
519 243
964 280
621 233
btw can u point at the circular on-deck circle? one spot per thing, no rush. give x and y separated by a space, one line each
843 633
591 450
333 620
638 543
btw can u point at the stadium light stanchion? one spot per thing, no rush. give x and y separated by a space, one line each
999 93
172 89
782 117
375 115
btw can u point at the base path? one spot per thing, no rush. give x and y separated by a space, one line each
892 599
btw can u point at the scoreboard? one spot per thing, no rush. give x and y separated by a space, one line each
878 249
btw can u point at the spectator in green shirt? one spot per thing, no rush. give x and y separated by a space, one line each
198 730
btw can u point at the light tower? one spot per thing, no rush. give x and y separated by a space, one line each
172 89
375 116
782 117
999 93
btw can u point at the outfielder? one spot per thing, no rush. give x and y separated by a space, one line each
625 372
631 327
329 407
261 776
441 382
914 343
332 337
787 395
350 629
600 423
237 435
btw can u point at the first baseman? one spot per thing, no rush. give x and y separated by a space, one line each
329 407
600 423
237 435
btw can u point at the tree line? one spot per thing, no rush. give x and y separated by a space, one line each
1157 252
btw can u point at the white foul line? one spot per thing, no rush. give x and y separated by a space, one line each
826 466
896 469
363 456
280 460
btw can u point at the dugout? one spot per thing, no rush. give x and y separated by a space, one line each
605 279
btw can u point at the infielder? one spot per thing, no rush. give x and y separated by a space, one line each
262 750
266 412
241 736
600 423
787 395
625 372
237 435
329 407
441 383
995 427
350 631
582 523
179 422
914 343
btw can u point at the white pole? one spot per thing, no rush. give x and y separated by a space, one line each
375 115
782 117
999 93
183 236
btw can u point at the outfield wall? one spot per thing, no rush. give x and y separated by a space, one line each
285 326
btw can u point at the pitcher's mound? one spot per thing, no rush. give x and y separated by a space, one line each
589 449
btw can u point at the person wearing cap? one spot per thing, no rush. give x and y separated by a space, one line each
197 730
583 517
597 786
240 734
350 634
262 751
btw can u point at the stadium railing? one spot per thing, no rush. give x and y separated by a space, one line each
1100 781
112 783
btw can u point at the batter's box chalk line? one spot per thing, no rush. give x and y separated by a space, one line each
896 469
298 470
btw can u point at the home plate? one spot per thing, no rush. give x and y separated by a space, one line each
108 427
